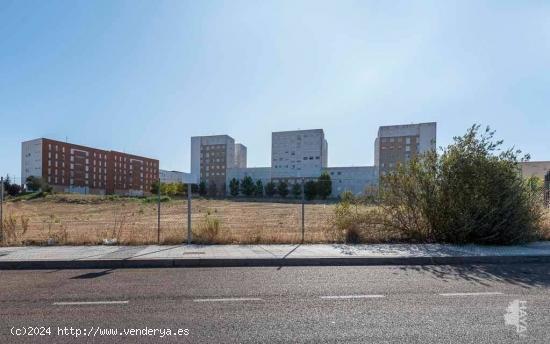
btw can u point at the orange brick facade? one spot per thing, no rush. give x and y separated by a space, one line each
73 168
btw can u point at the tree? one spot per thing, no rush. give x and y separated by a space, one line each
310 190
212 189
36 183
181 189
202 188
324 185
472 192
154 187
259 188
270 189
234 187
282 188
247 186
297 190
13 189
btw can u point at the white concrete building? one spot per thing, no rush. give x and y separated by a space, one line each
399 143
356 179
31 159
298 153
240 155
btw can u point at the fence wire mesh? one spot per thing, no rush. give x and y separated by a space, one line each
94 219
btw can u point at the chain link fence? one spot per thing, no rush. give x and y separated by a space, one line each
74 219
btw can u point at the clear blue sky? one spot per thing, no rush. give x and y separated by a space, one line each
145 76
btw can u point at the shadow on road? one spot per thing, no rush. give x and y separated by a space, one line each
523 275
93 274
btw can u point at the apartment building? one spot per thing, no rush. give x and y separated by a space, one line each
399 143
74 168
298 154
211 157
240 155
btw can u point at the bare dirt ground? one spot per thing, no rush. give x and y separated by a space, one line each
74 219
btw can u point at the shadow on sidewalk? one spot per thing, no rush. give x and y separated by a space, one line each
523 275
288 254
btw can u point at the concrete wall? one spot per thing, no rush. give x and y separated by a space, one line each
355 179
298 153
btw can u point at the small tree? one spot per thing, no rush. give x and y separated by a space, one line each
181 189
270 189
324 185
310 190
234 187
212 189
11 189
154 187
202 188
247 186
282 188
297 190
33 183
259 188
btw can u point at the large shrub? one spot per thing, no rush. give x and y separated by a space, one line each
473 192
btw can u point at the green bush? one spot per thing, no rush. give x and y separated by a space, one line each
471 193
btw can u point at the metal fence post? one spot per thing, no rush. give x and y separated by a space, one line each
189 233
303 210
158 213
1 209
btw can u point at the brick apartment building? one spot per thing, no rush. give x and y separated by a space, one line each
73 168
399 143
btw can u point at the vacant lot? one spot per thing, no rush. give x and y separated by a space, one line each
75 219
88 220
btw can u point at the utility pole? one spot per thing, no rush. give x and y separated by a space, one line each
158 213
189 233
1 209
303 210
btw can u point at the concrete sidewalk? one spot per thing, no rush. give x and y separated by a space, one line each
70 257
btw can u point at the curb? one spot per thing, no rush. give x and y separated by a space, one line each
263 262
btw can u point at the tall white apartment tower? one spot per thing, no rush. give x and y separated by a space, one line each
240 155
212 157
298 154
399 143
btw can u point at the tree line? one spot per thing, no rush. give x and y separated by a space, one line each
312 189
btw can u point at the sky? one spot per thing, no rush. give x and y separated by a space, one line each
144 76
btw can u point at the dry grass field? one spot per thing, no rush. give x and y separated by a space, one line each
87 220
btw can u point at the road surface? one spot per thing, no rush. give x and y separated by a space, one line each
413 304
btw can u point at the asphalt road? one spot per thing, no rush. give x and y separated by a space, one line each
437 304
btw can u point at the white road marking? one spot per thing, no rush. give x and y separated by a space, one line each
472 294
229 299
76 303
336 297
